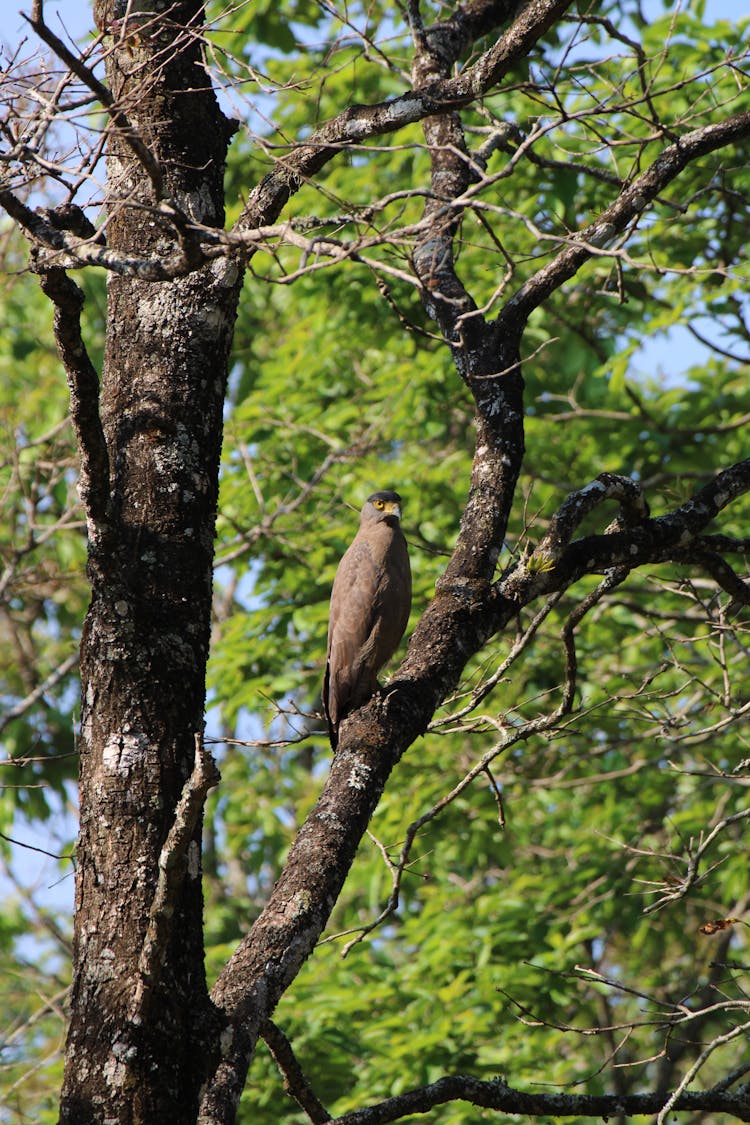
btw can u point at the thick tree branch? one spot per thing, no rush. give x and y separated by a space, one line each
727 544
83 383
478 359
454 36
445 298
270 956
77 252
499 1096
664 539
607 486
722 573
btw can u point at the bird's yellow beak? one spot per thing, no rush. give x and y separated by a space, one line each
391 508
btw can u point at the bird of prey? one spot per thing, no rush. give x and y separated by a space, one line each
370 604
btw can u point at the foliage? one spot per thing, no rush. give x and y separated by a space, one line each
521 913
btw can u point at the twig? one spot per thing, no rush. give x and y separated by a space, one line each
34 696
691 1072
497 793
102 92
34 848
517 648
692 877
296 1084
610 581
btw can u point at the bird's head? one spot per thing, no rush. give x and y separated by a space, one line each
382 506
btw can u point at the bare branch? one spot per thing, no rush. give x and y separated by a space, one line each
720 1041
102 92
296 1083
521 643
692 862
34 848
24 705
83 382
360 123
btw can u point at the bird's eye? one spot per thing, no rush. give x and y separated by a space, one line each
379 505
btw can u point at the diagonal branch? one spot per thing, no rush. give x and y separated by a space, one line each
576 506
664 539
456 625
723 574
674 1098
83 383
510 736
10 714
613 221
455 35
269 958
296 1083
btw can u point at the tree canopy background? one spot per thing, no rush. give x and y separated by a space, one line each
553 889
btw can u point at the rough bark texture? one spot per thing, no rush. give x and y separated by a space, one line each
146 636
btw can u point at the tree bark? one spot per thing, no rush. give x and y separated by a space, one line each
139 1023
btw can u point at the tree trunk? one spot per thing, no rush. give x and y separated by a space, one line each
134 1045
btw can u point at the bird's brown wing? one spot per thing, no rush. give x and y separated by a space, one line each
353 607
392 599
370 605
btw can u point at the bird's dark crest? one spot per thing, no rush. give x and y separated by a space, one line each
393 497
